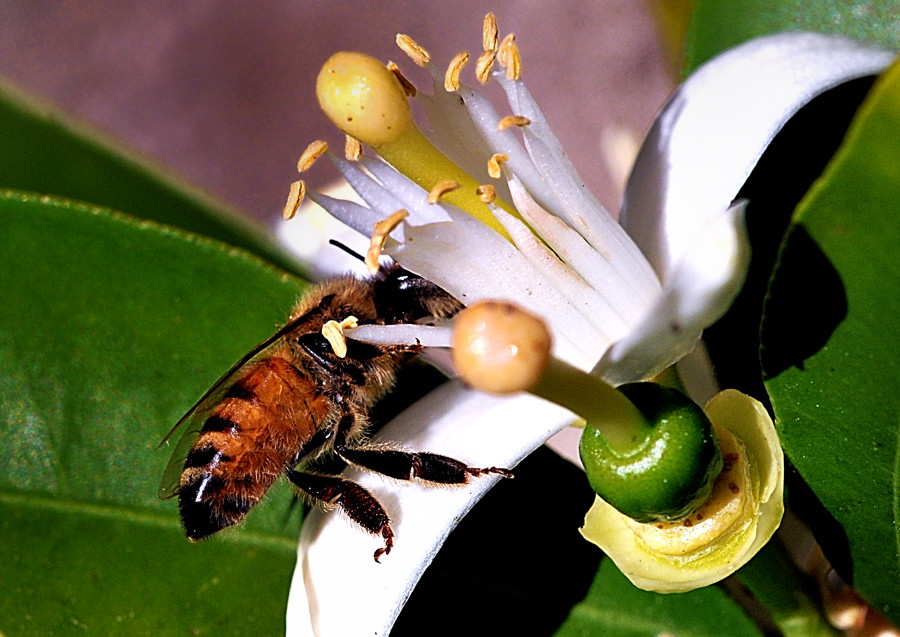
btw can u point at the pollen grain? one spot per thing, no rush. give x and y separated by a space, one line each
512 120
440 189
451 77
295 198
379 235
413 49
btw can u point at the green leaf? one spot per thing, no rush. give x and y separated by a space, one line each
42 151
831 346
110 329
718 25
614 606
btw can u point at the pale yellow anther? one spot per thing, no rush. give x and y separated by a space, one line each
509 57
408 87
379 235
451 77
311 154
489 33
334 334
483 66
512 120
487 193
494 163
295 198
416 52
440 189
352 148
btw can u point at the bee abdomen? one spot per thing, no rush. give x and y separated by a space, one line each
207 507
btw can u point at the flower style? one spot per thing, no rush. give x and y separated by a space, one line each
623 305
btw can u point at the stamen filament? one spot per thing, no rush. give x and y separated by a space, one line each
365 100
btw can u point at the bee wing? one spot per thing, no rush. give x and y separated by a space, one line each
192 422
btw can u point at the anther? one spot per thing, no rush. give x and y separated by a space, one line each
483 66
489 33
509 57
486 193
379 235
412 48
451 77
408 87
334 334
494 163
309 156
440 189
352 148
512 120
295 198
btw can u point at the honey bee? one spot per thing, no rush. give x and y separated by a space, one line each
293 400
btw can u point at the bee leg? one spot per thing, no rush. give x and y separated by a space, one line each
359 505
408 465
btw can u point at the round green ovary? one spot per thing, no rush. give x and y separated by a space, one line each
668 474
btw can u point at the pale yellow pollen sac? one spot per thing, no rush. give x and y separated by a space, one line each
352 148
509 57
309 156
295 198
413 49
408 87
494 164
451 77
379 235
440 189
334 334
483 66
486 193
489 34
512 120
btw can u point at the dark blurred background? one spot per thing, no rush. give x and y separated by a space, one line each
221 93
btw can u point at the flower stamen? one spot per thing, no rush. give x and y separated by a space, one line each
295 198
440 189
510 58
512 120
309 156
494 164
408 87
379 235
483 66
490 35
413 49
487 193
451 77
352 148
334 334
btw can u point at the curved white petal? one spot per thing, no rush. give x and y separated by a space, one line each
716 126
335 558
701 288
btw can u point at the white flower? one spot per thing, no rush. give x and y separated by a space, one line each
626 305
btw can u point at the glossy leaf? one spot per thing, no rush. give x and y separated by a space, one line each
718 25
614 607
44 152
110 328
831 347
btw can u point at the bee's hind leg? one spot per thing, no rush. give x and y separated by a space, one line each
409 465
359 505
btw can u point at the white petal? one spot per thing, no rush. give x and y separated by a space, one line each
709 137
335 559
701 289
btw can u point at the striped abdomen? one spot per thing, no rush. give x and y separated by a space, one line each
247 441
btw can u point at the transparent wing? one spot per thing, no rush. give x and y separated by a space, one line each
189 427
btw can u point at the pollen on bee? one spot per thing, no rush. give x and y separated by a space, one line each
451 77
510 58
309 156
352 148
440 189
379 235
489 33
295 198
512 120
413 49
494 163
334 334
408 87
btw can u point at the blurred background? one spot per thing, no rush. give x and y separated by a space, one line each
221 94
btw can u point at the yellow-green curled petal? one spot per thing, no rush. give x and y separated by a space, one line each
694 564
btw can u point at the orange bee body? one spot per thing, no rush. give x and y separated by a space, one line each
293 399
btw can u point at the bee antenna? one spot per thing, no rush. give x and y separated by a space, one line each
345 248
